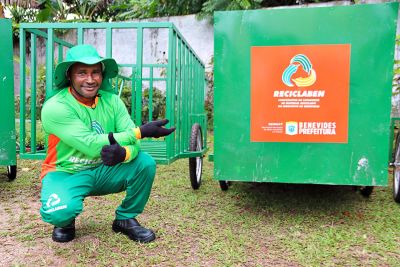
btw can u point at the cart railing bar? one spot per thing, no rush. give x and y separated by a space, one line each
96 25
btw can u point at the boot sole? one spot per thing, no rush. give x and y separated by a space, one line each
62 240
147 239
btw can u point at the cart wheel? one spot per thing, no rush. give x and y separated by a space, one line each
396 185
366 191
11 172
396 172
224 185
196 164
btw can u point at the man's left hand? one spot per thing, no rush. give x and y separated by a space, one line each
114 153
155 129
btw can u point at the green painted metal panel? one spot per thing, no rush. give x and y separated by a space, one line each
33 96
49 63
139 77
170 89
361 159
22 91
7 117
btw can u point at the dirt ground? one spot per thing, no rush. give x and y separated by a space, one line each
20 223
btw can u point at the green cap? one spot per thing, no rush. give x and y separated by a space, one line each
85 54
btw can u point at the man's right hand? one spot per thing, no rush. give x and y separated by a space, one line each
114 153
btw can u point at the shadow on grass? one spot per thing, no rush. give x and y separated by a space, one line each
298 199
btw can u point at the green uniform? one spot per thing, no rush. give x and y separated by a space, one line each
73 168
77 133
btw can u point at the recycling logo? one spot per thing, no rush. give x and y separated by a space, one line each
53 200
297 61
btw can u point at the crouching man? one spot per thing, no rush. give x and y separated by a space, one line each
93 147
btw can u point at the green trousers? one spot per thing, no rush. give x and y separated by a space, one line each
63 193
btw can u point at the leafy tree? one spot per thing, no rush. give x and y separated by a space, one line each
120 10
179 7
139 9
22 14
217 5
210 6
76 10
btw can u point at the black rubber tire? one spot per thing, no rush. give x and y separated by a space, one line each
196 164
224 185
396 171
11 172
366 191
395 148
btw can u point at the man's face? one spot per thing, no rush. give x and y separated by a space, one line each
86 79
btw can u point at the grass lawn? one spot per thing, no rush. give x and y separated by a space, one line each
248 225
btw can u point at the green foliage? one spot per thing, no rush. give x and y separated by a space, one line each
59 10
209 102
158 103
396 81
180 7
40 135
21 14
132 9
396 71
55 10
210 6
215 5
120 10
40 95
85 10
75 10
139 9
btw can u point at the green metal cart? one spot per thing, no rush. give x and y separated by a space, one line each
179 76
7 121
302 95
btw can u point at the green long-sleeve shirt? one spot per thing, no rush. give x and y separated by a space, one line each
76 133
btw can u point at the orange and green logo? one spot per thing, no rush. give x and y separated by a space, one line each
296 62
300 93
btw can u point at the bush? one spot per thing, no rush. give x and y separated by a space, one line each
158 103
40 95
396 81
209 102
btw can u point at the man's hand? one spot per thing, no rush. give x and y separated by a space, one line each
114 153
155 129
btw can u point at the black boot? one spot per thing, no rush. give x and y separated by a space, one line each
64 234
133 230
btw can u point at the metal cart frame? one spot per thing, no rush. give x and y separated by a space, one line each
184 79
